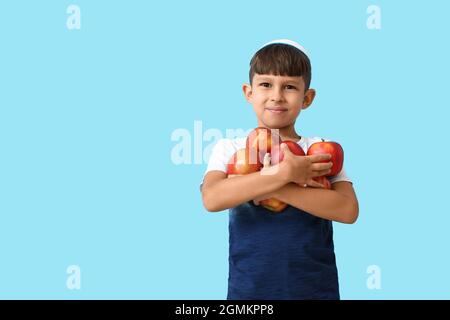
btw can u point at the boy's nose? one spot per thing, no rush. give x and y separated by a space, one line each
276 95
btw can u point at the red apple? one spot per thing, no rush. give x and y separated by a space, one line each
323 180
240 164
333 148
277 154
273 204
260 141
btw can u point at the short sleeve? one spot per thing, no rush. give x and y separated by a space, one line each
219 158
341 176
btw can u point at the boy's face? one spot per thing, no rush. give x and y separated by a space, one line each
277 100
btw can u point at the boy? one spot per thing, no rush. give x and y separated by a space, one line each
287 255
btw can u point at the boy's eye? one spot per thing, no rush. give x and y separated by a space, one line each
265 84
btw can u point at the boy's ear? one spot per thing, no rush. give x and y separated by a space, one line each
247 89
308 98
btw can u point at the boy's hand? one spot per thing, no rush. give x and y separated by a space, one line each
298 169
302 169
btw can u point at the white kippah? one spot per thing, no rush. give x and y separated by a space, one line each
289 42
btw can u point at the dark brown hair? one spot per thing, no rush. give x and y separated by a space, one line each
281 60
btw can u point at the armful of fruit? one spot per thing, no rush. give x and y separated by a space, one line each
243 184
288 163
292 168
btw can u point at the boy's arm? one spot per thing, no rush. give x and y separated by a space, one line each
220 193
339 204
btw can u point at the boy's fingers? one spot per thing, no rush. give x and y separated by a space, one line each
315 184
320 157
322 166
321 173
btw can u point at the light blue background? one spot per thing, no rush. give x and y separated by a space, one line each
86 118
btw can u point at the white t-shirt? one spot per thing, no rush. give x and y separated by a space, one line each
225 148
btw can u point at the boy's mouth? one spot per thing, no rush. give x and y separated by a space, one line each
276 110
